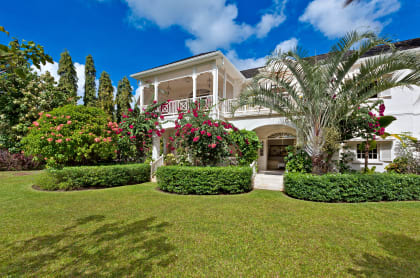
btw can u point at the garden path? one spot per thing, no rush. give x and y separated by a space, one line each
269 180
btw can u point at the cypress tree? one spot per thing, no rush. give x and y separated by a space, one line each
68 75
124 97
89 98
106 94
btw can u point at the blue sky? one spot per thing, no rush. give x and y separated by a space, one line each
127 36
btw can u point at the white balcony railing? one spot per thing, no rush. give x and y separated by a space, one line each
229 105
174 106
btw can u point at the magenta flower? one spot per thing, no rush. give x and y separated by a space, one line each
131 126
196 139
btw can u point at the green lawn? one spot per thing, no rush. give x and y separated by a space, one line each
137 231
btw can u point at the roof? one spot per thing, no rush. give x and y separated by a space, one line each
402 45
183 59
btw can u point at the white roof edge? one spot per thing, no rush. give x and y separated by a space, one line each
176 64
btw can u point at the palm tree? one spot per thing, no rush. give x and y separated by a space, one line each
315 94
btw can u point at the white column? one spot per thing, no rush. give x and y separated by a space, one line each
141 97
215 73
194 81
224 84
156 85
155 147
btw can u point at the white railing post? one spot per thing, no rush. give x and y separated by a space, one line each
194 80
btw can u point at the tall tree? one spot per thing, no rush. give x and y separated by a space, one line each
68 75
106 94
124 97
89 98
318 94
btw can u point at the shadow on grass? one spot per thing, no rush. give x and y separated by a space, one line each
403 259
91 248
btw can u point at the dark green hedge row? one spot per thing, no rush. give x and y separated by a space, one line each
204 180
70 178
353 187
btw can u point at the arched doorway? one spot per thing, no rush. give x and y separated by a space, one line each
275 139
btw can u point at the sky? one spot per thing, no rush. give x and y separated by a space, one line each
128 36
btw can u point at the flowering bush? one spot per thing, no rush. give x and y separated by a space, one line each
17 161
136 130
248 145
205 140
72 135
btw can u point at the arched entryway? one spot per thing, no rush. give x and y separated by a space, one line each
274 139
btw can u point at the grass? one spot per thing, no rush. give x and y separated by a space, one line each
137 231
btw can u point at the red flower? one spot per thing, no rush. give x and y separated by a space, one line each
162 117
196 139
171 138
219 138
203 132
131 126
128 132
154 102
208 134
130 110
213 146
156 123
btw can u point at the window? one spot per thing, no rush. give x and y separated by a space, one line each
373 153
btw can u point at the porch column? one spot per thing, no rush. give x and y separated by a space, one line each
215 73
156 85
194 81
224 84
155 147
141 97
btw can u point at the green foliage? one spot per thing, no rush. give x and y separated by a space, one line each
106 94
399 165
23 94
71 178
346 157
316 93
353 187
89 98
204 140
408 156
204 180
124 97
72 135
248 145
136 131
68 76
298 161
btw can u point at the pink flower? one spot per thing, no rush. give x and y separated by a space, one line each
68 117
50 139
180 116
80 132
68 122
162 130
171 138
59 140
150 131
47 115
162 117
40 113
219 138
216 124
203 132
36 123
97 139
196 139
130 110
54 117
154 102
128 132
208 134
131 126
213 146
156 123
68 139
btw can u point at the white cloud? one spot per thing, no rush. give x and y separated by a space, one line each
212 23
334 20
51 67
249 63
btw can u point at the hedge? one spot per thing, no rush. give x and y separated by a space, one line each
353 187
70 178
204 180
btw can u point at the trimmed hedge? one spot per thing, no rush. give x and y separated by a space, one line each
70 178
352 187
204 180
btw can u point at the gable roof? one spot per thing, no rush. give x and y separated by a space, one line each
402 45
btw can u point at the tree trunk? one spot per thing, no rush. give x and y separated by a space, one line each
367 147
317 164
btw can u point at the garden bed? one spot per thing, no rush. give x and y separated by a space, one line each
204 180
93 177
353 187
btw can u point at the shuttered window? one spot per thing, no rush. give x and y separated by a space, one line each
386 151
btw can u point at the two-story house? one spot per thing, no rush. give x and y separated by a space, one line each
212 78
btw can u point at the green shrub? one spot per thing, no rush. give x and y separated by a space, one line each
72 135
70 178
298 161
204 180
248 145
353 187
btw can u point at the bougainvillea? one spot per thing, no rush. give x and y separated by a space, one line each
205 140
72 135
136 130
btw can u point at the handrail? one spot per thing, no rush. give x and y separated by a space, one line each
156 164
253 166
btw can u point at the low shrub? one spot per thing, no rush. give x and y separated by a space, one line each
298 161
18 162
204 180
70 178
353 187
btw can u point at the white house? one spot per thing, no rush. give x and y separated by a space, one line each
213 78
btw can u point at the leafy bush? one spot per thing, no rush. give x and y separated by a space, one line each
399 165
204 140
298 161
17 162
70 178
204 180
72 135
408 156
248 144
353 187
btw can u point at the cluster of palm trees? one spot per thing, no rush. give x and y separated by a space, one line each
318 94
